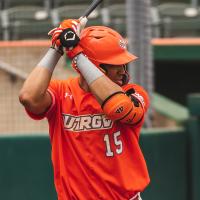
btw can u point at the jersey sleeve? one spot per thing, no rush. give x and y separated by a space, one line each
52 91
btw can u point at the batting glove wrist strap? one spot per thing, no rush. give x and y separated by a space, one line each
74 52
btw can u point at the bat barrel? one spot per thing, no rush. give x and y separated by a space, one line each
91 7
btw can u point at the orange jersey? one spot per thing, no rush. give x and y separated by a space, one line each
93 157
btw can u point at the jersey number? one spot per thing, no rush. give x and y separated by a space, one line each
117 142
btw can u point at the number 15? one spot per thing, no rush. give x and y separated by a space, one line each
117 142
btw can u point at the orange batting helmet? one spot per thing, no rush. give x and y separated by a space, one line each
103 45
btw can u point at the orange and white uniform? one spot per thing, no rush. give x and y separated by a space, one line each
94 158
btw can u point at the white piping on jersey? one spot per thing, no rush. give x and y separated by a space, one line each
137 195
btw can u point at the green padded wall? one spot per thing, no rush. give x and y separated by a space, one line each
25 169
194 130
166 153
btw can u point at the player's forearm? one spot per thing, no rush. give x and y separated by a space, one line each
100 85
35 86
103 87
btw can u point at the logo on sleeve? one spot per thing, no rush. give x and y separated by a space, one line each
68 95
140 98
120 109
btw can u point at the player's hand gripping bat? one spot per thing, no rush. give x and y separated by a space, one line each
68 36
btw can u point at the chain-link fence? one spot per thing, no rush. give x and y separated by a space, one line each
17 59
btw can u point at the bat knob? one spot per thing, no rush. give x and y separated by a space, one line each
68 38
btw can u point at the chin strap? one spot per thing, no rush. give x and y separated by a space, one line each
125 79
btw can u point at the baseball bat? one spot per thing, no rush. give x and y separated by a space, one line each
91 7
67 35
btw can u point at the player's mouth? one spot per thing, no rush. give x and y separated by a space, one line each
119 82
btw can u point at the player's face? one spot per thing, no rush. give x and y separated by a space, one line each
115 73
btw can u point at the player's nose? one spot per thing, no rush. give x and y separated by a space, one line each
121 70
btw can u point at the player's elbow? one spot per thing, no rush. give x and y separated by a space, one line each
119 107
26 99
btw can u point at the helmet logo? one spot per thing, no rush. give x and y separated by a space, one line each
122 44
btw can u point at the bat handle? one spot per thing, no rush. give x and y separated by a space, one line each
68 38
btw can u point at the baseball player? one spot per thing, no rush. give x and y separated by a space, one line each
94 119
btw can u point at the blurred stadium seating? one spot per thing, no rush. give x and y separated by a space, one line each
26 19
179 19
117 16
25 22
74 11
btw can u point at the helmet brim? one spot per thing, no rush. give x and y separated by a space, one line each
121 59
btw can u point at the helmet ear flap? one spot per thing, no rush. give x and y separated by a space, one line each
103 69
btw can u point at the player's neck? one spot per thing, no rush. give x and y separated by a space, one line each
83 84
